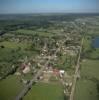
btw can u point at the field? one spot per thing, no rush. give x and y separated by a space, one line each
15 45
43 91
86 88
11 52
32 32
10 87
90 68
53 41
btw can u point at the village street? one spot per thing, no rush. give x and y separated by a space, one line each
32 81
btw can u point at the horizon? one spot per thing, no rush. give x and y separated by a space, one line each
48 6
45 13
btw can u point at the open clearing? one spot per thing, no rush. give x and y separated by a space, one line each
86 87
31 32
10 87
43 91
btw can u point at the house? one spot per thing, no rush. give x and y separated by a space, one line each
26 70
61 72
25 67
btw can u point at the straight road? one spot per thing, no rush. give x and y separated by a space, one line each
29 86
76 72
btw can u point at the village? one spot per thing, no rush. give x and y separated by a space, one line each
49 49
45 56
50 73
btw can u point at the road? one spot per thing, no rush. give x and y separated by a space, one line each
76 72
29 86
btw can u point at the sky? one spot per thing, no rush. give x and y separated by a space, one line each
48 6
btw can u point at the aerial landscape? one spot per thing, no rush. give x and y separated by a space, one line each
49 50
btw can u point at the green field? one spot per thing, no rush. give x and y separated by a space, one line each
43 91
89 51
90 68
31 33
10 87
94 54
15 45
86 88
11 52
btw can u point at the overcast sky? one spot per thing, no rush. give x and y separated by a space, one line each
42 6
